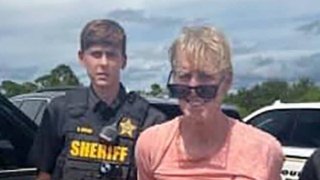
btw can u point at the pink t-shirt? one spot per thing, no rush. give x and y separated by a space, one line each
247 154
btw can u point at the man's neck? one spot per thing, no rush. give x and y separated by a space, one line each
210 131
107 93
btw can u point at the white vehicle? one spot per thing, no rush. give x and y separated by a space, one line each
296 126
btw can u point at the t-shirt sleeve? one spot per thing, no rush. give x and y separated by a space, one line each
311 167
275 161
46 144
143 151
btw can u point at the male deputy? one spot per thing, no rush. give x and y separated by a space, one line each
90 132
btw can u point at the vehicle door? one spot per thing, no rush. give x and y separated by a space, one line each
16 136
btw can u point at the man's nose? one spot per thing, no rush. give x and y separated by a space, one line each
193 81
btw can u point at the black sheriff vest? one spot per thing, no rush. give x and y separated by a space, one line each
84 156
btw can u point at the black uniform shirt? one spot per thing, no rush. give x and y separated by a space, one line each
49 140
103 109
95 102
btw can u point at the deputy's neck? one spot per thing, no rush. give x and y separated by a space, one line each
107 93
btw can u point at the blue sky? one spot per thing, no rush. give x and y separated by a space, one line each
269 38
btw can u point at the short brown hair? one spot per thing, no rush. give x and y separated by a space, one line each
103 32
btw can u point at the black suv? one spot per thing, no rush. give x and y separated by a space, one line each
17 128
33 104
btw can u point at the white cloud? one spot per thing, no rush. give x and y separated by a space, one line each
285 65
36 35
312 28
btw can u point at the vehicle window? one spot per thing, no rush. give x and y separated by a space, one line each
232 113
279 123
38 118
17 103
32 107
307 130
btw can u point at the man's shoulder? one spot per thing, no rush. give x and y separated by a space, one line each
251 148
161 130
250 141
254 136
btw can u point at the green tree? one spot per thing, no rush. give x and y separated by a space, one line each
248 100
11 88
62 75
156 90
298 90
259 95
29 87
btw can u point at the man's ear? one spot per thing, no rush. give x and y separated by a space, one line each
225 86
227 82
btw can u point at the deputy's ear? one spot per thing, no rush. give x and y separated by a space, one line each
81 57
124 62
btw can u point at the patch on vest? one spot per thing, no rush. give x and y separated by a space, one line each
96 151
84 130
127 127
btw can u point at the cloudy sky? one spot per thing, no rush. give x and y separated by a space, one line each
269 38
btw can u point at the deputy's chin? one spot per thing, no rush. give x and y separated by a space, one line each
103 83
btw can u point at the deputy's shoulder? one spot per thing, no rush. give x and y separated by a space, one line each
62 102
156 113
57 103
153 114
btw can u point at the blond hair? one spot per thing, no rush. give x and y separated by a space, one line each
205 47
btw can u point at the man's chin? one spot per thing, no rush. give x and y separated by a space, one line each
194 112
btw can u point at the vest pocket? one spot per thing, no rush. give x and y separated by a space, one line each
81 170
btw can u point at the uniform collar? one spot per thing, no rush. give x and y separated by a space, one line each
95 101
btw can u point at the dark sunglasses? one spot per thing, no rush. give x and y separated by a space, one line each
181 91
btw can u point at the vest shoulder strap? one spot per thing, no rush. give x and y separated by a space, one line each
136 106
77 101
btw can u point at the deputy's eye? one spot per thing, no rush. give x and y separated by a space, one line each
96 54
111 54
